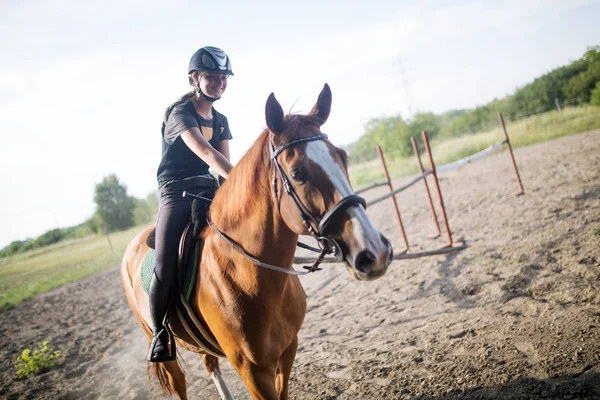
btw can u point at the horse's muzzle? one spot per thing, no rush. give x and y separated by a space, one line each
368 265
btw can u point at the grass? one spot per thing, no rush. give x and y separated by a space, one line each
536 129
26 275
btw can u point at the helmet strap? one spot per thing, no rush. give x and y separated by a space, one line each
208 98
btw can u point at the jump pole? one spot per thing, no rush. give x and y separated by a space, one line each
439 192
512 157
389 183
433 214
401 256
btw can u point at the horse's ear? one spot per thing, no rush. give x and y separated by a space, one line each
323 106
274 115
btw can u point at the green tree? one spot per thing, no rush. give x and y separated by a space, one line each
595 95
114 206
574 82
146 209
13 248
427 122
91 226
581 85
388 132
52 236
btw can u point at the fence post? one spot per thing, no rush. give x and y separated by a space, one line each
389 182
433 214
439 191
512 157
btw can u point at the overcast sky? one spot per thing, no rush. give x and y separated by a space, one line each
83 84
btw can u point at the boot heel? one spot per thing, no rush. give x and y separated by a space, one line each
171 352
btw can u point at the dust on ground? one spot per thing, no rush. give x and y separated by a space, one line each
514 316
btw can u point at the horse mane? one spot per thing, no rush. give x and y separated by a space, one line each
248 183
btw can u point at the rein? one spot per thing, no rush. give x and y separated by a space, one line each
255 260
317 229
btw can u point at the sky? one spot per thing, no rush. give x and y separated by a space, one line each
84 84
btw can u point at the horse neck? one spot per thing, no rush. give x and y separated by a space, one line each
244 209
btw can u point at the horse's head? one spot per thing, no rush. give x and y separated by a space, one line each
313 193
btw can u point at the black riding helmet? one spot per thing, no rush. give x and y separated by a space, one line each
210 59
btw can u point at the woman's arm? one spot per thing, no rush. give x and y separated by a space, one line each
224 149
193 138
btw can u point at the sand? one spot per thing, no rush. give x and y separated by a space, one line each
514 316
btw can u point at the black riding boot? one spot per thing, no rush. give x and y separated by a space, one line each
162 347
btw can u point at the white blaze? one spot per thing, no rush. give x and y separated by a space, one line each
364 232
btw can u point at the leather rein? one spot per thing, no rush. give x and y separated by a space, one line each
327 245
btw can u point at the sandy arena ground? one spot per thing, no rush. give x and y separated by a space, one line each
514 316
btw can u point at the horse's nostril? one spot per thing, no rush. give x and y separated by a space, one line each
384 240
391 249
364 260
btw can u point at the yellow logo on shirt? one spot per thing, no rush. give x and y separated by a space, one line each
207 132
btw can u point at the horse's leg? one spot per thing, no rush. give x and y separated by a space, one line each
284 369
212 366
260 381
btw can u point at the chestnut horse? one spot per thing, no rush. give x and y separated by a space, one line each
291 182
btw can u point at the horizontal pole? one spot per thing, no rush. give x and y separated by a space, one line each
455 164
385 196
401 256
371 186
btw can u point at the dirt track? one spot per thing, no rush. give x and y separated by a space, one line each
514 316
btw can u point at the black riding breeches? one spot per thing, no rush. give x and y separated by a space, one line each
173 216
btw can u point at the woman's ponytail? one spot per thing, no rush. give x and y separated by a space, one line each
186 97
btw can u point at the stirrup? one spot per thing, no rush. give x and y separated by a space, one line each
172 352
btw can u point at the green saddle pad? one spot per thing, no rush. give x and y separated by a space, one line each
190 273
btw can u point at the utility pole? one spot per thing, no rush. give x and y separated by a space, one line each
55 219
112 250
407 91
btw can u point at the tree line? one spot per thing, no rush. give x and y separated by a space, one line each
577 82
115 210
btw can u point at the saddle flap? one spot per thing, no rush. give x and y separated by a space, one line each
151 239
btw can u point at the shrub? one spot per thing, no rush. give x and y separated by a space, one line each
595 95
36 362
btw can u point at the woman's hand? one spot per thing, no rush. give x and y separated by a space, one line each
214 158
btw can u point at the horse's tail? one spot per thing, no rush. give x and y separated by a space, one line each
159 371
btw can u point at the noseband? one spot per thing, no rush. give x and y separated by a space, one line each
318 229
327 244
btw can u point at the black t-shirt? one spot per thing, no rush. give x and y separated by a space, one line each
179 165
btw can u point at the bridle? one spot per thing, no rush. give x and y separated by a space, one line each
317 228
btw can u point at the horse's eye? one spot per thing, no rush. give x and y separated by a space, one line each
298 175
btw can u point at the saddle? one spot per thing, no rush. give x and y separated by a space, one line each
182 318
190 250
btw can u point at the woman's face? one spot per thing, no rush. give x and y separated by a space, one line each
213 85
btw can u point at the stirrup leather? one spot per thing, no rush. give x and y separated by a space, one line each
172 352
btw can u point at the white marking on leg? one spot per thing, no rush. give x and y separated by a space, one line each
221 386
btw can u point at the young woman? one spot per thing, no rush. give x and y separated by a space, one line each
195 137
